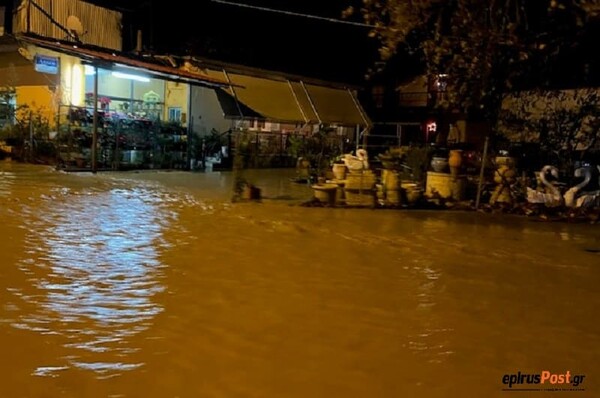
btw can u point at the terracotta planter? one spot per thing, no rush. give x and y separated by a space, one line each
412 191
505 161
455 162
326 193
339 171
504 176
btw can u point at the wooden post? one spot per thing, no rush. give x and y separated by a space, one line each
481 172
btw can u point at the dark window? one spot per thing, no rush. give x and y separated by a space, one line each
378 93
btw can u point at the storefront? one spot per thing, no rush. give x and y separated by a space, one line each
146 111
158 112
142 108
270 113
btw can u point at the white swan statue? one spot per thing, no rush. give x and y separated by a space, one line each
586 199
572 193
358 162
552 196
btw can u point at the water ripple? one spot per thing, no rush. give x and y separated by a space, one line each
95 267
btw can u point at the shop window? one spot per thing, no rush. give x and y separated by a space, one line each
174 114
7 108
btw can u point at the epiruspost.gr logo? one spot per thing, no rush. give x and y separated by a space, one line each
543 381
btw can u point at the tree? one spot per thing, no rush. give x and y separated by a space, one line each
565 123
484 48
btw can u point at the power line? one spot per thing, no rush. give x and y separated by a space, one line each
295 14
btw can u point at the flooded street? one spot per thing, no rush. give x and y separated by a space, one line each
154 284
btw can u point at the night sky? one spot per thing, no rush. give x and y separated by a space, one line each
294 44
257 38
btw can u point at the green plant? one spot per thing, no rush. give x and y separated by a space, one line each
296 145
338 159
417 161
477 51
565 123
321 148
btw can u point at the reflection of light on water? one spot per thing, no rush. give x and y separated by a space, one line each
7 179
49 370
432 340
98 262
100 366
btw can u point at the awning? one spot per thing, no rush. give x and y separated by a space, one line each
251 97
336 106
127 63
270 98
233 109
285 100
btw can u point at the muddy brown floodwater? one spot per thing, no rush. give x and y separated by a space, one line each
154 284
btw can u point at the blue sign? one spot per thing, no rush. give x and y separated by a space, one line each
46 64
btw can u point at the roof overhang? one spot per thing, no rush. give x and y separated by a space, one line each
17 71
122 62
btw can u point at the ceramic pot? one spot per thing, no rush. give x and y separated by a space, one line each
505 175
439 164
455 161
505 161
339 171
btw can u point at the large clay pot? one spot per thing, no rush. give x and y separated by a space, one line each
391 187
505 161
504 176
339 171
439 164
412 191
455 162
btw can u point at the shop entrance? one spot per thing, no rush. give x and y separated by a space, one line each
135 129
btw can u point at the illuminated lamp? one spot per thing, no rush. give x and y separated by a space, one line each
121 75
76 85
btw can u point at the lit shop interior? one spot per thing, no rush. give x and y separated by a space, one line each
140 124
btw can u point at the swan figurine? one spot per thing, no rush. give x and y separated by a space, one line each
358 162
586 199
572 193
552 196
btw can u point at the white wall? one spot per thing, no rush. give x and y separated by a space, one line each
206 112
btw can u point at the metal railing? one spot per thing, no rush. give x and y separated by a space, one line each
386 135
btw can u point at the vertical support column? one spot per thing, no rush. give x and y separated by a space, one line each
190 131
95 123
